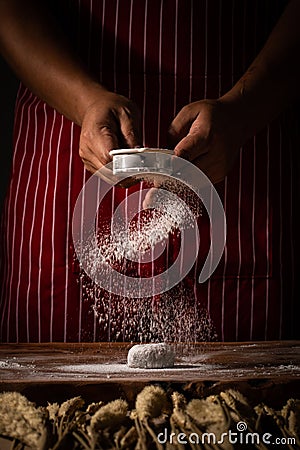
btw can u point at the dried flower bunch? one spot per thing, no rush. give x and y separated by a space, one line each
110 426
21 420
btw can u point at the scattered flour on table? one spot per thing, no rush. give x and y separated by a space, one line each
115 369
205 369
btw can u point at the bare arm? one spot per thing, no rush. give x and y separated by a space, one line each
37 51
210 132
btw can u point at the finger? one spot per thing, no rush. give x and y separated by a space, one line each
191 147
89 168
96 143
129 126
195 143
181 124
89 159
176 134
105 141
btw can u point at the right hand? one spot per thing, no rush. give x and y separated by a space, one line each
209 133
110 122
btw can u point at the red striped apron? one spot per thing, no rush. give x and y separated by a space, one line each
162 54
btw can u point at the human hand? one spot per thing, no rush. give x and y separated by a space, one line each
110 122
209 133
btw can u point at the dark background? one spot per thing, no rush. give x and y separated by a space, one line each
8 90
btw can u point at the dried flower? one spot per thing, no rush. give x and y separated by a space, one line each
93 407
179 401
204 412
20 419
109 416
151 402
52 409
237 408
69 407
291 413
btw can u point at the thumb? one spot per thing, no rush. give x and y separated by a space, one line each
182 123
194 144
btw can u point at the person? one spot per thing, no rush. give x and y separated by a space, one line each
75 94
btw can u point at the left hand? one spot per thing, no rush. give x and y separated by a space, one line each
209 133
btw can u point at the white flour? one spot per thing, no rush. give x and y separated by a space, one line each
174 316
132 239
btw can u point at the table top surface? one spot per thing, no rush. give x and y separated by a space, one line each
106 362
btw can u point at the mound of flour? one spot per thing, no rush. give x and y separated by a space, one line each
151 356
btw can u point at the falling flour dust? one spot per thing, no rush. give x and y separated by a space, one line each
134 241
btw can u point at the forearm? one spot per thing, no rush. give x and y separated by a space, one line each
42 59
272 81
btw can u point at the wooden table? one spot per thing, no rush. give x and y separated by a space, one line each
267 371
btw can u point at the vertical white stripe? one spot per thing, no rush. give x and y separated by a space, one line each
144 66
225 181
110 280
139 225
17 224
81 293
95 286
159 75
240 202
182 243
6 289
232 82
34 218
280 232
55 227
81 238
197 243
175 59
240 249
44 214
225 268
253 240
211 244
253 200
38 281
4 264
292 219
69 186
238 299
267 231
125 314
115 46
